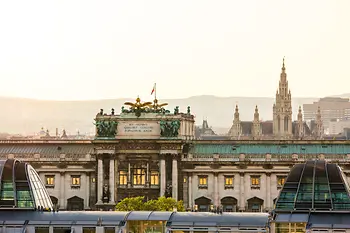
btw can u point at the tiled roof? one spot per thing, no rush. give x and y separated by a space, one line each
45 149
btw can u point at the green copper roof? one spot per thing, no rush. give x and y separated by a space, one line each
270 149
315 186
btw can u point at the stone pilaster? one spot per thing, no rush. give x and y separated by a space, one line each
162 173
62 202
175 178
190 197
241 192
111 180
88 191
268 191
216 189
99 180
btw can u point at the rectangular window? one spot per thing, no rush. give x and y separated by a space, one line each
139 174
75 181
123 177
229 182
154 178
203 182
280 181
42 230
89 229
50 180
255 182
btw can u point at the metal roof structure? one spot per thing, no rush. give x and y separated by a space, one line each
316 193
21 187
105 218
46 149
314 186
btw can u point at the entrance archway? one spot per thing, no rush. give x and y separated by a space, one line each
255 204
75 203
229 204
54 201
203 204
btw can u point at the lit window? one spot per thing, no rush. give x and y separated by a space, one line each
280 181
76 180
202 181
255 181
123 178
50 180
154 178
139 174
228 182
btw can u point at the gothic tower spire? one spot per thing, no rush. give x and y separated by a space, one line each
282 110
256 126
236 128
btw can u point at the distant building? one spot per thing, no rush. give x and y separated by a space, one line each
207 133
331 108
337 126
282 126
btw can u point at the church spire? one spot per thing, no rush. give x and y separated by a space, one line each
300 114
236 117
256 114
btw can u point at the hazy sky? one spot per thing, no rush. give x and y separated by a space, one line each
113 49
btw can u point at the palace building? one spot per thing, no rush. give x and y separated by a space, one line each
151 151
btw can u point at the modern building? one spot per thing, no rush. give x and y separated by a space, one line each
315 197
338 126
332 108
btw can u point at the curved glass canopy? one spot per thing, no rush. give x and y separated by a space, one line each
314 186
21 187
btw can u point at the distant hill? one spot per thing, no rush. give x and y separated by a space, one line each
345 95
28 116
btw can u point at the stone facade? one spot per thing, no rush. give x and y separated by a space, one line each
233 175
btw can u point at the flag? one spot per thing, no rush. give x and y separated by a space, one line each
154 89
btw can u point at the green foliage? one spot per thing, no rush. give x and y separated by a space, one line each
161 204
130 204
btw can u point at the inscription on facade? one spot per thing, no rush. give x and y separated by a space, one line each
138 129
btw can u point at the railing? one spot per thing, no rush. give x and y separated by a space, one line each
263 157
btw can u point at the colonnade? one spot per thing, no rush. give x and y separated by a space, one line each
112 182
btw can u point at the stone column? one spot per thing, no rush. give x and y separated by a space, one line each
62 202
190 201
116 179
216 189
111 180
241 190
268 191
147 175
99 180
129 175
162 176
88 190
175 178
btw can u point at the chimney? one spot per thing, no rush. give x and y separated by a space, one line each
56 132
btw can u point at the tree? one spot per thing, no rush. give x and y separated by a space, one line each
161 204
130 204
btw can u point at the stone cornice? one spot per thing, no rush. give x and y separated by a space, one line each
41 141
175 141
275 142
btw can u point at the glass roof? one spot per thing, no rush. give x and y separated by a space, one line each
21 187
315 185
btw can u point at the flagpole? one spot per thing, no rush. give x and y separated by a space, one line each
155 91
